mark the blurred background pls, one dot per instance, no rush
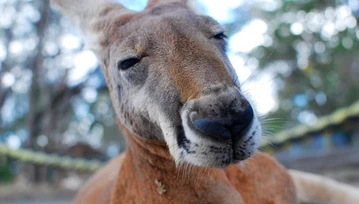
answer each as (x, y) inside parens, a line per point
(298, 62)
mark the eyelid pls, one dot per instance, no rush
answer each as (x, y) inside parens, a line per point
(127, 63)
(220, 36)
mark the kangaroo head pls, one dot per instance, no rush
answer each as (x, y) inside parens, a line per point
(170, 79)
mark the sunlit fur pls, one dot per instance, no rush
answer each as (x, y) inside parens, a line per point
(158, 89)
(182, 68)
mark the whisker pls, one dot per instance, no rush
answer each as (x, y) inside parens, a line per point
(271, 120)
(257, 69)
(268, 143)
(242, 167)
(260, 85)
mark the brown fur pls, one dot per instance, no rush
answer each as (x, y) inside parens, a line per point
(259, 180)
(317, 189)
(181, 66)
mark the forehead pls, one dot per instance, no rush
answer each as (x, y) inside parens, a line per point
(166, 20)
(175, 18)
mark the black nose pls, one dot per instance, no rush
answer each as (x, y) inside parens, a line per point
(226, 129)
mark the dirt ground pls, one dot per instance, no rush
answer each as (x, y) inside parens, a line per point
(24, 199)
(34, 194)
(19, 193)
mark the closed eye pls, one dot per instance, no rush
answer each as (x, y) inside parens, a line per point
(127, 63)
(220, 36)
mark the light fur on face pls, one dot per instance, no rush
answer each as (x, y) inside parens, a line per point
(180, 62)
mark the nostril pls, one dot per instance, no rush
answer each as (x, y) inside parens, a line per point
(241, 121)
(217, 129)
(245, 116)
(224, 129)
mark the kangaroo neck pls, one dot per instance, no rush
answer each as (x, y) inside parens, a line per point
(149, 175)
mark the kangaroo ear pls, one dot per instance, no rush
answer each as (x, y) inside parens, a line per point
(89, 15)
(152, 3)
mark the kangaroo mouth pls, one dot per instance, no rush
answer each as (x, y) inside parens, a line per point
(182, 140)
(215, 151)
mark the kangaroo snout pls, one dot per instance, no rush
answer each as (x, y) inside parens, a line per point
(224, 129)
(222, 113)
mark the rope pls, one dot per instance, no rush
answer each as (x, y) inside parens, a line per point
(66, 162)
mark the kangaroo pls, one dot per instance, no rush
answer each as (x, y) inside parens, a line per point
(192, 135)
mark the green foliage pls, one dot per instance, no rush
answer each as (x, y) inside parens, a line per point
(313, 50)
(6, 175)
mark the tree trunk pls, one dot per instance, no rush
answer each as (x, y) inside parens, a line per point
(35, 97)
